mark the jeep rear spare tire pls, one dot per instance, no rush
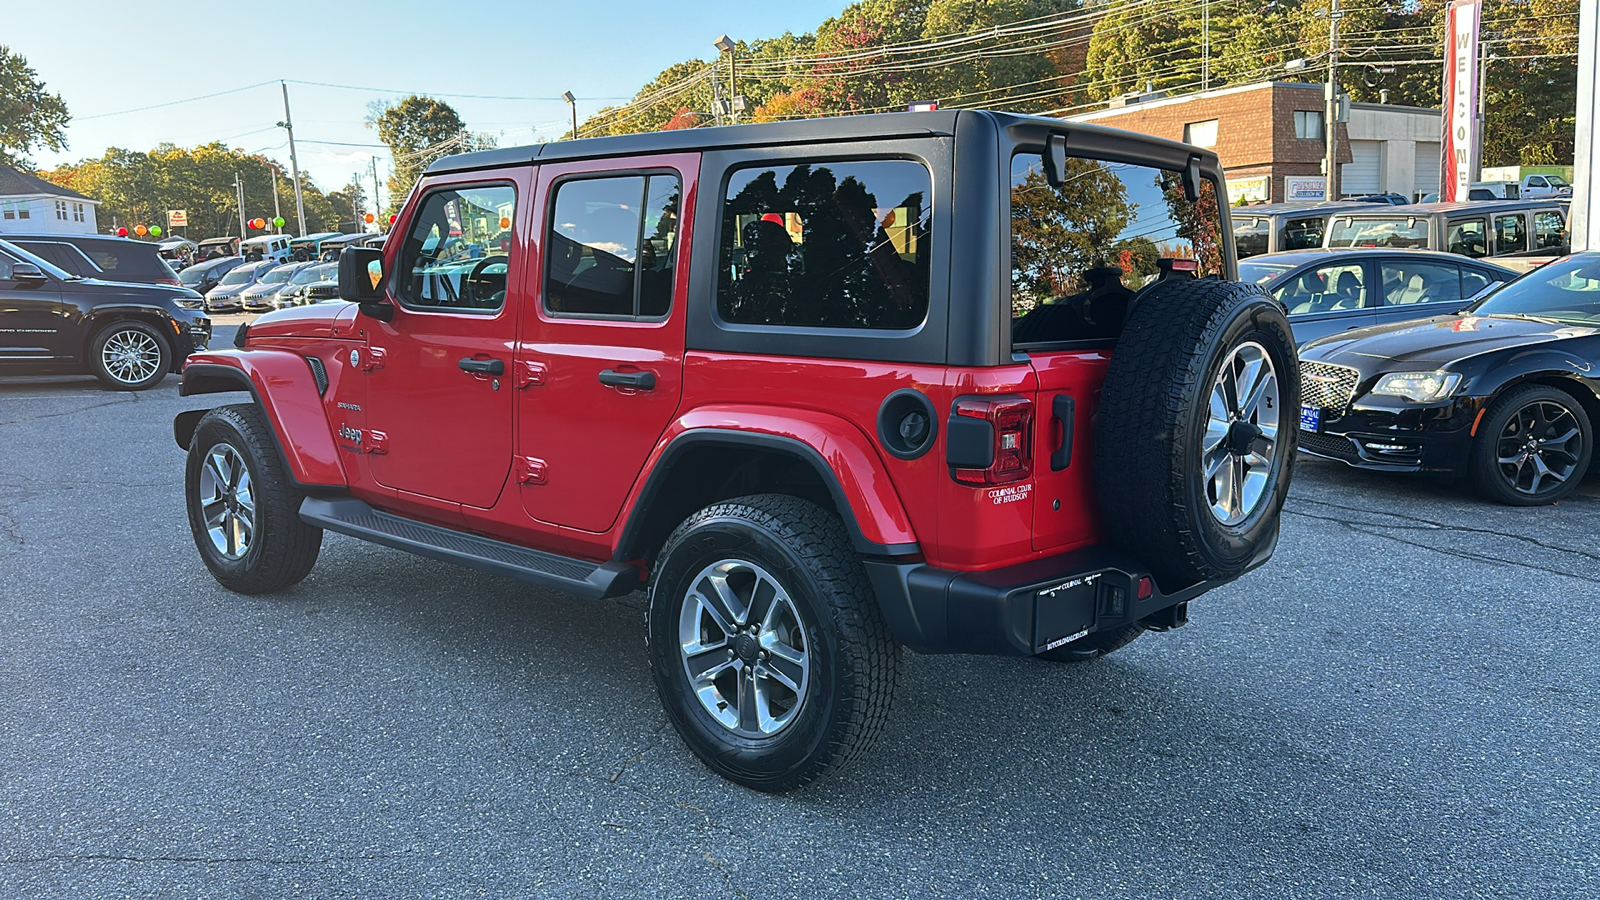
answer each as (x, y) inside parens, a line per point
(1195, 436)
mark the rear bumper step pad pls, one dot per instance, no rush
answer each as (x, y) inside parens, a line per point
(576, 576)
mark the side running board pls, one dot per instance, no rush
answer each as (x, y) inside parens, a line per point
(575, 576)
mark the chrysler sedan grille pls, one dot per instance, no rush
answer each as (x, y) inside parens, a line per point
(1327, 387)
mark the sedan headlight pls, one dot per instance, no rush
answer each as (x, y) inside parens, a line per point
(1418, 386)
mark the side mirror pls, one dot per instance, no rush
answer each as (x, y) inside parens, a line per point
(1055, 160)
(361, 281)
(23, 271)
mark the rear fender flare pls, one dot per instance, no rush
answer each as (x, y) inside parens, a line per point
(283, 385)
(843, 458)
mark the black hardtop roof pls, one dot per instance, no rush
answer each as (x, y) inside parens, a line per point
(1292, 258)
(877, 126)
(225, 239)
(1376, 210)
(85, 238)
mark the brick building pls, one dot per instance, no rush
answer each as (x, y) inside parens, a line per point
(1270, 140)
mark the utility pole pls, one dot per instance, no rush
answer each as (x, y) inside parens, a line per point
(377, 199)
(1331, 116)
(355, 201)
(288, 125)
(1205, 45)
(572, 102)
(276, 213)
(238, 187)
(1483, 76)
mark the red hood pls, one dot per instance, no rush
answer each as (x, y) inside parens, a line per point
(319, 320)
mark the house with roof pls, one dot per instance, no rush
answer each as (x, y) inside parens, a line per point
(30, 204)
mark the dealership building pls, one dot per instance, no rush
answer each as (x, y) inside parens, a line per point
(1270, 139)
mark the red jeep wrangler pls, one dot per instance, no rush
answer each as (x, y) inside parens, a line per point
(964, 382)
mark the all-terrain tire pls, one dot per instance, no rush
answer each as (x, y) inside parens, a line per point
(831, 617)
(244, 511)
(1093, 646)
(1151, 432)
(1551, 413)
(130, 355)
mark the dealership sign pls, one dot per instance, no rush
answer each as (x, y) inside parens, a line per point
(1305, 187)
(1460, 141)
(177, 218)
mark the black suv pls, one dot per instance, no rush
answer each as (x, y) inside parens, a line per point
(128, 335)
(101, 256)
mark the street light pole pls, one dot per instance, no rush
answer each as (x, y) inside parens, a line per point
(377, 199)
(276, 212)
(726, 45)
(238, 188)
(1331, 116)
(288, 125)
(1205, 45)
(572, 102)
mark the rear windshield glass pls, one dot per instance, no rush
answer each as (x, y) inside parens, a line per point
(838, 244)
(1081, 250)
(310, 274)
(1388, 231)
(278, 276)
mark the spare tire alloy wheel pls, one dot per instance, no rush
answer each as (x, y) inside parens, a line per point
(1241, 433)
(743, 648)
(130, 356)
(1534, 447)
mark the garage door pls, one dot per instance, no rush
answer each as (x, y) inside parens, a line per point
(1427, 168)
(1363, 173)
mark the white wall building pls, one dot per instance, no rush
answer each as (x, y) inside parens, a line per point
(31, 205)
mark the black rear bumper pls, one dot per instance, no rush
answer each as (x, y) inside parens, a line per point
(1030, 608)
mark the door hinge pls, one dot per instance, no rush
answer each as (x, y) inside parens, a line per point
(376, 442)
(530, 373)
(530, 470)
(375, 359)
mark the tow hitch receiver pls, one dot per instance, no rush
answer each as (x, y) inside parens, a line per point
(1174, 616)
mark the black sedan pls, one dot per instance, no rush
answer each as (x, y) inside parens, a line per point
(55, 322)
(1329, 291)
(1507, 392)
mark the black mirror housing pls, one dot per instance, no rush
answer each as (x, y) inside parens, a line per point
(361, 281)
(25, 271)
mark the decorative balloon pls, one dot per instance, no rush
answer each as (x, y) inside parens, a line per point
(505, 222)
(370, 218)
(155, 231)
(277, 221)
(122, 232)
(392, 217)
(140, 231)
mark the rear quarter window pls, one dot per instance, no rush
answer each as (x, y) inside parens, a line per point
(829, 244)
(133, 262)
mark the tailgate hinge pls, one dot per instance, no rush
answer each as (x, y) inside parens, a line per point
(530, 470)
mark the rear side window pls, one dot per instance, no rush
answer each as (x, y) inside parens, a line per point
(1467, 237)
(612, 246)
(1549, 232)
(1303, 234)
(1510, 234)
(1250, 236)
(457, 254)
(132, 262)
(1406, 282)
(1079, 251)
(837, 244)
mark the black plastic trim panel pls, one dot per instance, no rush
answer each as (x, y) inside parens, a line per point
(348, 515)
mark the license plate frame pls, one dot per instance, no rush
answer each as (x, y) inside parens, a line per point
(1311, 419)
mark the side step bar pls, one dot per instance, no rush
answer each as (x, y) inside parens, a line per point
(575, 576)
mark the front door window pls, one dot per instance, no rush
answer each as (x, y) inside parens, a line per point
(1467, 237)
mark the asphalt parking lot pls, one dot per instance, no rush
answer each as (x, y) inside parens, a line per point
(1402, 704)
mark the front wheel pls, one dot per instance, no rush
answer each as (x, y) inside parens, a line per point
(1534, 447)
(244, 512)
(766, 643)
(130, 356)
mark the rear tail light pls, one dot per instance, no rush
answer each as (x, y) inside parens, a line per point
(169, 281)
(991, 440)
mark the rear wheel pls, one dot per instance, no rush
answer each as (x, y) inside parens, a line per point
(244, 512)
(766, 643)
(1533, 448)
(130, 356)
(1195, 437)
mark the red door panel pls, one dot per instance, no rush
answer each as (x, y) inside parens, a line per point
(595, 393)
(1064, 498)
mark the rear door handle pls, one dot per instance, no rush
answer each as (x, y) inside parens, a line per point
(482, 366)
(1064, 409)
(640, 381)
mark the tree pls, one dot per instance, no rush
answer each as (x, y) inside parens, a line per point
(417, 130)
(30, 116)
(348, 204)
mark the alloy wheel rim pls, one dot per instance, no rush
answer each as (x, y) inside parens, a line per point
(131, 356)
(1241, 439)
(1539, 448)
(227, 501)
(744, 648)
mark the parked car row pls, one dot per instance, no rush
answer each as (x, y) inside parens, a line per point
(1530, 230)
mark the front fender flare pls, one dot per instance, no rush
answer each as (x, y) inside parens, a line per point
(842, 456)
(286, 390)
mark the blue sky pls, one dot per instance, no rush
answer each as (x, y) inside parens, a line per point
(107, 57)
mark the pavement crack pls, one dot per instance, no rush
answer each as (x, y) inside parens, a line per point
(1373, 530)
(70, 412)
(1430, 524)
